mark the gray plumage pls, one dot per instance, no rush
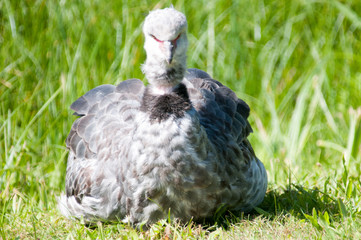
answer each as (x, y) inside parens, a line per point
(178, 146)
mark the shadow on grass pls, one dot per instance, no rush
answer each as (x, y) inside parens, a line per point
(295, 200)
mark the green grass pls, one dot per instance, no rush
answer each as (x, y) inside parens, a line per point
(296, 63)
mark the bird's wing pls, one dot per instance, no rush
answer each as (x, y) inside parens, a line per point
(106, 115)
(222, 113)
(224, 117)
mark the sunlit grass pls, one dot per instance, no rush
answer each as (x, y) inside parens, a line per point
(296, 63)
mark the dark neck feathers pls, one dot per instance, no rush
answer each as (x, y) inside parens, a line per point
(162, 107)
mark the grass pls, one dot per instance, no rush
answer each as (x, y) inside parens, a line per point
(296, 63)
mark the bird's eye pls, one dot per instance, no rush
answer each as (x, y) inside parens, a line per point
(177, 37)
(156, 38)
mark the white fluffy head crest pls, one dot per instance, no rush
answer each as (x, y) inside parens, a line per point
(164, 23)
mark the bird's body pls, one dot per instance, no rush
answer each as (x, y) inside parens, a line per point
(178, 146)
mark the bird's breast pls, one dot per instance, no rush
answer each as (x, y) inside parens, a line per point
(169, 150)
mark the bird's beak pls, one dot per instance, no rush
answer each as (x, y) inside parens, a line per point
(169, 50)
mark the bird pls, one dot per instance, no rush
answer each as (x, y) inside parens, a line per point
(177, 147)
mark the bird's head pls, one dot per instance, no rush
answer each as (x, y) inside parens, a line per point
(165, 32)
(166, 44)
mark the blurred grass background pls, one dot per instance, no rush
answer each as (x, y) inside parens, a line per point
(296, 63)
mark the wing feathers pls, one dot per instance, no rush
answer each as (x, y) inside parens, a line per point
(82, 105)
(104, 111)
(222, 114)
(134, 86)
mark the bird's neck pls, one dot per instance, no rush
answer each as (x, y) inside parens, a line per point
(164, 76)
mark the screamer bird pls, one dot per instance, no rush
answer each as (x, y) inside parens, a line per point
(177, 147)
